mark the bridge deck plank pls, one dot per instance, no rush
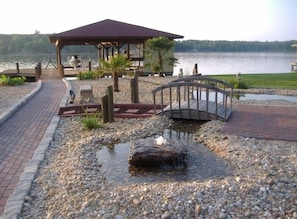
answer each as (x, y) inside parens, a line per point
(185, 107)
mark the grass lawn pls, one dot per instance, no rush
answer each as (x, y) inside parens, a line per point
(279, 80)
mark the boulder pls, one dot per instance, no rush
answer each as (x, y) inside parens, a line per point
(147, 153)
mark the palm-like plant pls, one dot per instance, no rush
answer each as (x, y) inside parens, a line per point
(157, 50)
(116, 64)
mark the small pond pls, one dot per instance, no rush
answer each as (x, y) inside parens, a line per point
(202, 164)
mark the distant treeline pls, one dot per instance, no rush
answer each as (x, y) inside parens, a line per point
(35, 44)
(39, 43)
(234, 46)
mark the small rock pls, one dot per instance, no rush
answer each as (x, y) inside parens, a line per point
(166, 215)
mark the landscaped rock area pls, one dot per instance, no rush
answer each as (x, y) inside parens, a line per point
(70, 183)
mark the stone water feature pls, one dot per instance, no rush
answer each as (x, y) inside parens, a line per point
(152, 152)
(200, 163)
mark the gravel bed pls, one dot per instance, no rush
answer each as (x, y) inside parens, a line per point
(9, 95)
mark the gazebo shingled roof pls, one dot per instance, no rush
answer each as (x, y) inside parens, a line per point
(107, 31)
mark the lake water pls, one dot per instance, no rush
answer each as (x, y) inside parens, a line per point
(208, 62)
(234, 62)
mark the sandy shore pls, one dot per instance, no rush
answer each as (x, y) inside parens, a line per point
(71, 184)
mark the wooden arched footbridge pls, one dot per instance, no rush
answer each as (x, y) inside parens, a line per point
(195, 97)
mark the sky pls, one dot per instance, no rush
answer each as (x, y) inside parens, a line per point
(244, 20)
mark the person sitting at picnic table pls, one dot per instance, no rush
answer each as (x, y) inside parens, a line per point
(74, 61)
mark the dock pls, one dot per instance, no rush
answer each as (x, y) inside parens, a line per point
(31, 74)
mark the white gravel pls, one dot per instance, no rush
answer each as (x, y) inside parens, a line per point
(70, 183)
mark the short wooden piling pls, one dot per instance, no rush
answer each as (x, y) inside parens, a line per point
(37, 72)
(104, 108)
(134, 89)
(61, 70)
(109, 93)
(90, 66)
(18, 67)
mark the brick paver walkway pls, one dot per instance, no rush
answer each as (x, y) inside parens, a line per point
(21, 133)
(264, 122)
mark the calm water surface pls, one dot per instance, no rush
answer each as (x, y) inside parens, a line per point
(202, 164)
(208, 63)
(234, 62)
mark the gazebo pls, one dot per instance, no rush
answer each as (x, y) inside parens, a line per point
(109, 37)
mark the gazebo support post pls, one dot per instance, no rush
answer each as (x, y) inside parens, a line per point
(59, 47)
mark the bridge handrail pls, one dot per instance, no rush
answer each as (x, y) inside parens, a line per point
(171, 84)
(208, 80)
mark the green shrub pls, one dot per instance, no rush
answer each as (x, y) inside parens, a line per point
(238, 84)
(88, 75)
(91, 122)
(12, 81)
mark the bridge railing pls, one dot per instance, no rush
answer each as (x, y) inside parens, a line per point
(209, 81)
(194, 88)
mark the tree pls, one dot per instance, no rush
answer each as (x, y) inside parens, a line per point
(116, 64)
(157, 50)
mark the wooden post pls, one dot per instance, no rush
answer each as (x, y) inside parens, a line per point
(37, 75)
(61, 71)
(104, 108)
(134, 88)
(39, 69)
(90, 66)
(17, 67)
(109, 92)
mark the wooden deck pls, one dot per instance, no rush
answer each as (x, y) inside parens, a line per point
(34, 74)
(31, 75)
(28, 73)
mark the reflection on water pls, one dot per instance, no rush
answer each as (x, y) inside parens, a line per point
(202, 164)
